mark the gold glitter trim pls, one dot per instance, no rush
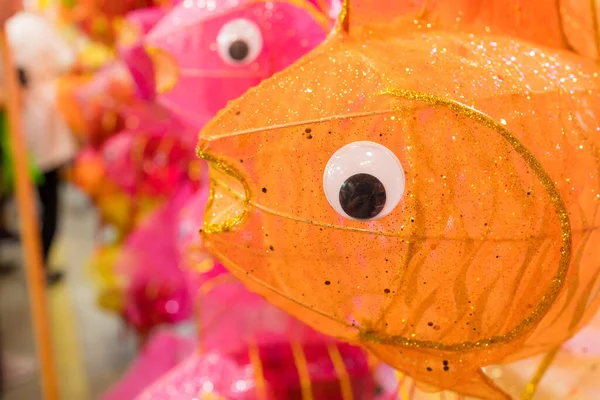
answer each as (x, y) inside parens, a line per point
(555, 198)
(303, 372)
(234, 173)
(341, 371)
(532, 386)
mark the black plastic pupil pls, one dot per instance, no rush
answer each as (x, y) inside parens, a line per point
(239, 50)
(362, 196)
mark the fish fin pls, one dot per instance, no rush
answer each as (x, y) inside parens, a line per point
(357, 13)
(581, 26)
(516, 18)
(413, 361)
(481, 386)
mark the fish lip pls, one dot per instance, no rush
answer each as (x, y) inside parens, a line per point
(166, 62)
(228, 201)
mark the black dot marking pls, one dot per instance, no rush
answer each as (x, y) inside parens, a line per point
(264, 190)
(528, 193)
(309, 137)
(445, 362)
(386, 291)
(239, 50)
(446, 368)
(238, 112)
(429, 369)
(362, 196)
(271, 248)
(430, 323)
(308, 130)
(327, 283)
(242, 161)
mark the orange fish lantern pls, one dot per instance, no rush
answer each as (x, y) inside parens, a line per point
(424, 183)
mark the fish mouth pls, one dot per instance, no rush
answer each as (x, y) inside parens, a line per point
(228, 203)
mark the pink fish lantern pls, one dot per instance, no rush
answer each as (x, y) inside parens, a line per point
(204, 376)
(217, 376)
(164, 351)
(208, 52)
(149, 165)
(89, 172)
(232, 320)
(100, 100)
(157, 291)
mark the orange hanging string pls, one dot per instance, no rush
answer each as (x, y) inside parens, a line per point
(302, 367)
(342, 372)
(32, 249)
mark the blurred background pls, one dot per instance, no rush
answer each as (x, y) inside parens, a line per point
(111, 95)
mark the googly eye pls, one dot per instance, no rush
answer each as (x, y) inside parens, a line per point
(364, 181)
(239, 42)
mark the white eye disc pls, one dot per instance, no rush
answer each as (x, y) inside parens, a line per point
(364, 181)
(239, 42)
